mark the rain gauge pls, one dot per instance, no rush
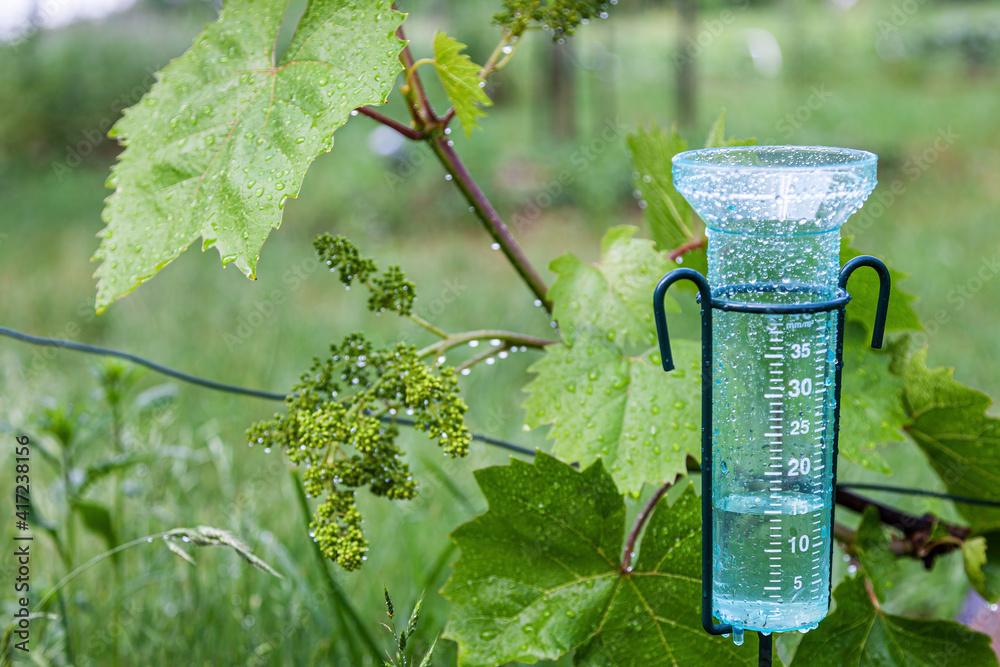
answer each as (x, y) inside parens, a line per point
(772, 326)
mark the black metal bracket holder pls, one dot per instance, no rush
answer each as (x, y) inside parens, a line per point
(708, 304)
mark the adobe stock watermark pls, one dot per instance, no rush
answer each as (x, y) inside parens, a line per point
(794, 120)
(451, 291)
(44, 11)
(408, 166)
(580, 160)
(901, 13)
(95, 136)
(960, 295)
(709, 31)
(914, 168)
(42, 355)
(266, 309)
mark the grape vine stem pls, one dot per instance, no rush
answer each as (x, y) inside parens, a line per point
(405, 130)
(918, 540)
(430, 127)
(509, 338)
(690, 246)
(640, 521)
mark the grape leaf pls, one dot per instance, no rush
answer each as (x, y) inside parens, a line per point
(871, 411)
(460, 78)
(539, 575)
(613, 296)
(860, 633)
(671, 220)
(717, 135)
(863, 289)
(948, 421)
(871, 546)
(602, 403)
(983, 573)
(227, 132)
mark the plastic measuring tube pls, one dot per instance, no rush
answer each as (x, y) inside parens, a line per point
(773, 218)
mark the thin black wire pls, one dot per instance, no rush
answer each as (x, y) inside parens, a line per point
(920, 492)
(108, 352)
(211, 384)
(496, 442)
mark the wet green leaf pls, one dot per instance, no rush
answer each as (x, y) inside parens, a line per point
(540, 575)
(227, 132)
(717, 135)
(612, 297)
(858, 633)
(871, 411)
(671, 221)
(603, 403)
(460, 78)
(981, 555)
(863, 289)
(948, 421)
(871, 546)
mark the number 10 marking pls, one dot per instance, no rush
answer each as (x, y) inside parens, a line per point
(803, 543)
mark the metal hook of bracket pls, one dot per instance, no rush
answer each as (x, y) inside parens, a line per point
(884, 287)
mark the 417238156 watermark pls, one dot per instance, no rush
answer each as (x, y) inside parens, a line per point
(21, 623)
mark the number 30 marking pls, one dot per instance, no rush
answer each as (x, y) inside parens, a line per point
(800, 387)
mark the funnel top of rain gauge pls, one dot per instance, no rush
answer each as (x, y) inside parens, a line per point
(775, 190)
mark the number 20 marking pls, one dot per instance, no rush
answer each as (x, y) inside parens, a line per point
(798, 467)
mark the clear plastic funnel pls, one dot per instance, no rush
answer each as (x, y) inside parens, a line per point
(773, 218)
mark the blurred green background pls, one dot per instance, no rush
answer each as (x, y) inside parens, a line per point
(915, 81)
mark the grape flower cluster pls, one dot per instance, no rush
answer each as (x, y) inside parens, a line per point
(341, 426)
(560, 17)
(389, 291)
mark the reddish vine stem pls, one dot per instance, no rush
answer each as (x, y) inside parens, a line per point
(424, 104)
(490, 218)
(917, 541)
(429, 127)
(640, 521)
(405, 130)
(909, 524)
(687, 247)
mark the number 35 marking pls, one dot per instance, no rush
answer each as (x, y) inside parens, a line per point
(801, 351)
